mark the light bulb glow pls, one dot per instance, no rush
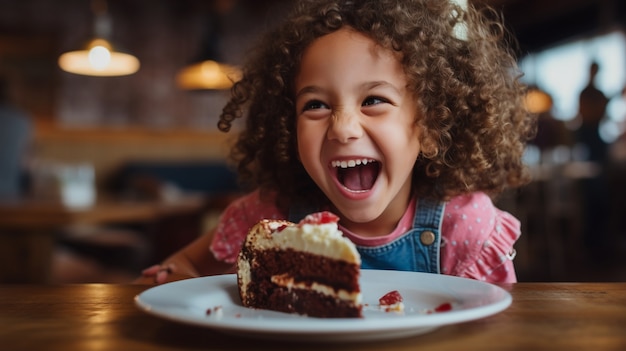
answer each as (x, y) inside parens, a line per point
(99, 57)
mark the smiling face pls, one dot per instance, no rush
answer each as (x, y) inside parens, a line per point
(357, 136)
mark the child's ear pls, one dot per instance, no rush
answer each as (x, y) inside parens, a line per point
(428, 147)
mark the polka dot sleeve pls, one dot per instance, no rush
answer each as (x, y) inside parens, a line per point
(477, 240)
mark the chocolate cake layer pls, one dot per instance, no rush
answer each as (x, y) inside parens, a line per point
(304, 268)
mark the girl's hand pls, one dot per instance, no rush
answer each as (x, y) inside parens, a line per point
(160, 273)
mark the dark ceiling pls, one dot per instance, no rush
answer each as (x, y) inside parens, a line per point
(538, 24)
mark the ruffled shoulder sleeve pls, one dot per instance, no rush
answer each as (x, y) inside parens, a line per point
(235, 222)
(478, 239)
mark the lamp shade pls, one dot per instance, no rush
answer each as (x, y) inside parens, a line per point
(99, 59)
(209, 75)
(207, 71)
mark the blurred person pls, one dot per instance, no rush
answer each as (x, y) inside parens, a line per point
(15, 135)
(591, 111)
(592, 105)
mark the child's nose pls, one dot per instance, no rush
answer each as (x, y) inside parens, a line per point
(345, 126)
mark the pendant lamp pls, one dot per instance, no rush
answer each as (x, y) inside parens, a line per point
(206, 71)
(207, 75)
(537, 100)
(99, 57)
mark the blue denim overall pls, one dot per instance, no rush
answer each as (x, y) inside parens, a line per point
(416, 250)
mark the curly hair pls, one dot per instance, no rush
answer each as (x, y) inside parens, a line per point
(470, 99)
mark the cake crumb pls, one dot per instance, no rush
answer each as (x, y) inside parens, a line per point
(392, 302)
(216, 311)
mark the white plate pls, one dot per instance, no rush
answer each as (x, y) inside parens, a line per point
(214, 302)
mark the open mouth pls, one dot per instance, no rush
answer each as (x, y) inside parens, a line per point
(358, 174)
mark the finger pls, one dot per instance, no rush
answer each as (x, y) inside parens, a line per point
(161, 276)
(151, 271)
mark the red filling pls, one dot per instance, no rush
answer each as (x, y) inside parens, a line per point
(390, 298)
(324, 217)
(444, 307)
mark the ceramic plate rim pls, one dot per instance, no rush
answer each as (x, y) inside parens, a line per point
(461, 291)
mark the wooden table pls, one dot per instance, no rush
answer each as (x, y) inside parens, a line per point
(28, 228)
(543, 316)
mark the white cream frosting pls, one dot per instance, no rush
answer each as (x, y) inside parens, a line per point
(320, 239)
(243, 274)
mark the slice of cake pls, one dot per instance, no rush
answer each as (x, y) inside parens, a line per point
(307, 268)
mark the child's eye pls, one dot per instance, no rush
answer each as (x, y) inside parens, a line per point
(374, 100)
(314, 105)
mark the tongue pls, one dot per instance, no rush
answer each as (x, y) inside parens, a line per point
(359, 178)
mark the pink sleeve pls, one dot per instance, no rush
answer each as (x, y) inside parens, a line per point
(477, 240)
(234, 223)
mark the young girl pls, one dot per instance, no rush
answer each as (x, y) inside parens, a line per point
(402, 117)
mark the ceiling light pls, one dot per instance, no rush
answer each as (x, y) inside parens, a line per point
(537, 101)
(99, 57)
(207, 74)
(207, 71)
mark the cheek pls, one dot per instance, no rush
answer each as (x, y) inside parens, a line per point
(300, 139)
(404, 138)
(305, 142)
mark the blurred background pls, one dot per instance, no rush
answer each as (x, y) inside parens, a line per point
(104, 171)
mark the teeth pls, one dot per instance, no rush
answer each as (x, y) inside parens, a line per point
(351, 163)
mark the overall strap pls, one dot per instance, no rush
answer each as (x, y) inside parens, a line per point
(427, 227)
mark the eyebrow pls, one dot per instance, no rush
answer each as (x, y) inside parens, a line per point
(383, 83)
(367, 86)
(307, 89)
